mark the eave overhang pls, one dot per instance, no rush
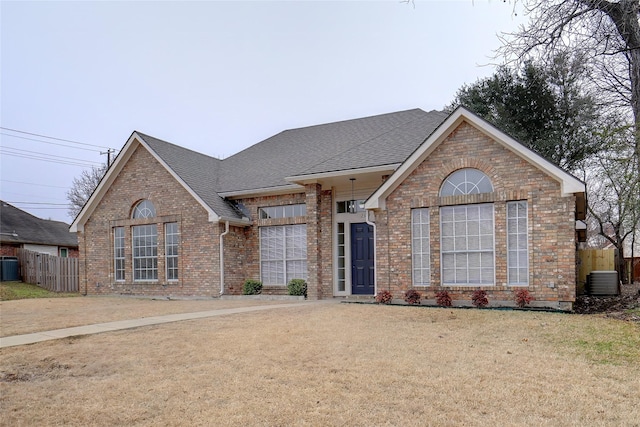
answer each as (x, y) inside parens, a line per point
(114, 170)
(568, 183)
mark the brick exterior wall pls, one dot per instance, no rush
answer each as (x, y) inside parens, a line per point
(8, 250)
(242, 245)
(143, 177)
(551, 220)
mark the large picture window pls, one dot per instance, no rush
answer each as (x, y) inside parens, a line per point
(467, 245)
(118, 253)
(145, 252)
(517, 244)
(420, 247)
(171, 237)
(283, 254)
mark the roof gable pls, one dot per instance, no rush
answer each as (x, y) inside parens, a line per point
(194, 171)
(568, 183)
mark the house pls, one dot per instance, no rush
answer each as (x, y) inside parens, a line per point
(411, 199)
(21, 230)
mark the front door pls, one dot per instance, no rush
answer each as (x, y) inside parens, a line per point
(362, 268)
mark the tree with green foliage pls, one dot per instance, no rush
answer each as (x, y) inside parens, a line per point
(543, 108)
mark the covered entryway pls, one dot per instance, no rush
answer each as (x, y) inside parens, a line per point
(362, 259)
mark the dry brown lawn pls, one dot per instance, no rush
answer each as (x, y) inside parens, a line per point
(333, 364)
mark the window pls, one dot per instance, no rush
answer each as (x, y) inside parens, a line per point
(350, 206)
(466, 181)
(144, 209)
(283, 254)
(64, 252)
(171, 237)
(284, 211)
(420, 247)
(467, 245)
(341, 259)
(145, 252)
(118, 253)
(517, 244)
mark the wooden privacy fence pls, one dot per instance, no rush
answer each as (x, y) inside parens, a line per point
(53, 273)
(594, 260)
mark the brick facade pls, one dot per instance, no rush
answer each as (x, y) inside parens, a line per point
(142, 177)
(551, 220)
(551, 233)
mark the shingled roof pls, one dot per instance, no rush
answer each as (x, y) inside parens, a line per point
(381, 140)
(352, 144)
(18, 226)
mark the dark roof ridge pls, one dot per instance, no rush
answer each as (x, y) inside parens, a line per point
(393, 129)
(357, 119)
(146, 135)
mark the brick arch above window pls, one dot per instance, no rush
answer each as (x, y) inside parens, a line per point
(466, 181)
(143, 209)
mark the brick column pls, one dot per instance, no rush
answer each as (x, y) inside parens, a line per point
(314, 249)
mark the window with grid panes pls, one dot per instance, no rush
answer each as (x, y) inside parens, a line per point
(283, 254)
(517, 244)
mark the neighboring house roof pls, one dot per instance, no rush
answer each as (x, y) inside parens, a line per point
(18, 227)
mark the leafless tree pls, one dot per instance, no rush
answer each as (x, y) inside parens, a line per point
(613, 189)
(605, 33)
(82, 188)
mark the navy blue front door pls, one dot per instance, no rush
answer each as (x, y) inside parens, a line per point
(362, 268)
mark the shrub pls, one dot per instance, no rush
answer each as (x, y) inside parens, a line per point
(252, 287)
(412, 297)
(523, 297)
(384, 297)
(479, 298)
(297, 287)
(443, 299)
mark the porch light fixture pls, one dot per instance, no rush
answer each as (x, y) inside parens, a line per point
(352, 202)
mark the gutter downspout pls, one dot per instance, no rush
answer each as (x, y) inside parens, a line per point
(375, 252)
(226, 231)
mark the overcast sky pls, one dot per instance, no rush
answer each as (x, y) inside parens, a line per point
(216, 77)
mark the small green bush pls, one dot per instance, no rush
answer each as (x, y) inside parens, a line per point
(384, 297)
(412, 297)
(297, 287)
(252, 287)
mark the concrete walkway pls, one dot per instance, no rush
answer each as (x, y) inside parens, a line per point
(97, 328)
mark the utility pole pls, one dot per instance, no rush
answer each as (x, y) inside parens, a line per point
(108, 153)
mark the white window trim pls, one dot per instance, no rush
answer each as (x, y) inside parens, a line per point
(413, 249)
(115, 258)
(167, 257)
(133, 257)
(519, 284)
(493, 237)
(284, 259)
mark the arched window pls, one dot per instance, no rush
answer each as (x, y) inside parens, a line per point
(466, 181)
(144, 209)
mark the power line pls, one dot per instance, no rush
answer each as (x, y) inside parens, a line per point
(47, 142)
(39, 203)
(31, 183)
(20, 150)
(45, 159)
(52, 137)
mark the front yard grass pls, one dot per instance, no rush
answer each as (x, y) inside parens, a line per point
(19, 290)
(334, 364)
